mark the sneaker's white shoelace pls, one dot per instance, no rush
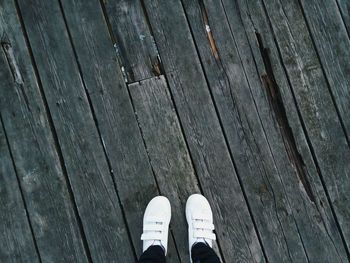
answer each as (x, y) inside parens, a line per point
(202, 226)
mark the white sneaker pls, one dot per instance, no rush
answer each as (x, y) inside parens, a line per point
(200, 221)
(156, 223)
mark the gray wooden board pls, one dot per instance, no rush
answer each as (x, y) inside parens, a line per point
(114, 113)
(332, 42)
(326, 135)
(285, 163)
(38, 168)
(81, 146)
(134, 41)
(203, 133)
(256, 22)
(16, 239)
(261, 152)
(344, 6)
(167, 150)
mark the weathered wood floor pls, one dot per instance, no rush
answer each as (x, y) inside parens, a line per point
(105, 104)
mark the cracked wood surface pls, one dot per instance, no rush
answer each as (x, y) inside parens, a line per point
(107, 103)
(262, 145)
(327, 138)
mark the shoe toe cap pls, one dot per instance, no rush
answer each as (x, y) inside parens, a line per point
(158, 206)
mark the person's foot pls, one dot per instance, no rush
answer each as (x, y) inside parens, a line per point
(200, 221)
(156, 223)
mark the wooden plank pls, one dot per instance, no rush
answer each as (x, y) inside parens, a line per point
(131, 34)
(114, 114)
(167, 150)
(16, 239)
(202, 130)
(81, 146)
(324, 129)
(311, 101)
(38, 168)
(344, 6)
(263, 148)
(332, 42)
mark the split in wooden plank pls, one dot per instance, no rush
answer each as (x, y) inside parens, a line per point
(17, 243)
(44, 186)
(133, 39)
(262, 146)
(203, 133)
(257, 26)
(308, 82)
(83, 154)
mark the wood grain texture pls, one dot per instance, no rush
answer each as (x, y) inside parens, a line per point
(81, 146)
(16, 239)
(321, 121)
(114, 114)
(134, 41)
(167, 151)
(344, 6)
(261, 144)
(49, 205)
(332, 42)
(106, 103)
(257, 24)
(202, 130)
